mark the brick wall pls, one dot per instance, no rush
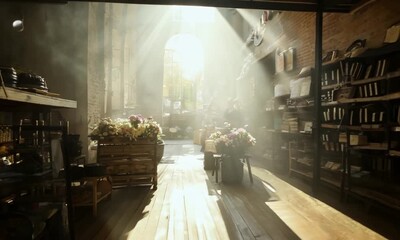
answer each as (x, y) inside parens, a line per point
(297, 29)
(370, 23)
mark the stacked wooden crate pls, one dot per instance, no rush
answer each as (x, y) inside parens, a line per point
(129, 162)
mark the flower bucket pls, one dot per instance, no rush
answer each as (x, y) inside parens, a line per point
(209, 161)
(231, 169)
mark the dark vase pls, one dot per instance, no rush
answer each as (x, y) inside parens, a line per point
(209, 163)
(231, 169)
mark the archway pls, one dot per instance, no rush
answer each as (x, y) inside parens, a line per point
(182, 85)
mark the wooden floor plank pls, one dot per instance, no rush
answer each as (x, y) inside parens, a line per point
(89, 227)
(190, 205)
(177, 207)
(149, 218)
(193, 220)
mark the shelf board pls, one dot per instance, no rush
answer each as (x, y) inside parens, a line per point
(331, 181)
(282, 96)
(394, 153)
(395, 129)
(374, 79)
(331, 126)
(331, 171)
(15, 95)
(388, 97)
(305, 106)
(332, 86)
(372, 127)
(392, 96)
(303, 163)
(364, 128)
(382, 198)
(368, 80)
(306, 174)
(330, 103)
(371, 146)
(367, 99)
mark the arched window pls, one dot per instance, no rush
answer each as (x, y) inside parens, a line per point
(183, 74)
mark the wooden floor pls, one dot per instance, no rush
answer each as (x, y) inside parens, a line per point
(189, 204)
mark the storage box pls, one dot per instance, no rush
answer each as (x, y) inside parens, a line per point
(342, 138)
(356, 140)
(210, 146)
(197, 136)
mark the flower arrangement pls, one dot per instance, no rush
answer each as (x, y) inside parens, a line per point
(134, 127)
(136, 119)
(234, 140)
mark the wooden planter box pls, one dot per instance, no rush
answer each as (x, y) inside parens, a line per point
(129, 162)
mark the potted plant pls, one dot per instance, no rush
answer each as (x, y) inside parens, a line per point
(232, 144)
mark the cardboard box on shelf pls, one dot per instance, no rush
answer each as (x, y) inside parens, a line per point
(357, 140)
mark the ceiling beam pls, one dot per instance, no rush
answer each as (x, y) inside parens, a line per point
(297, 6)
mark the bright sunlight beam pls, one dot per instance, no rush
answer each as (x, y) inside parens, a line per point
(189, 53)
(194, 14)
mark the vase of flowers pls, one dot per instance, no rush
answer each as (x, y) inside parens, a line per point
(232, 144)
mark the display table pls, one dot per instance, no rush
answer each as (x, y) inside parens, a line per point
(93, 191)
(87, 191)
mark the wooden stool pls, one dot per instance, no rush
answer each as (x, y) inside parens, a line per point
(218, 160)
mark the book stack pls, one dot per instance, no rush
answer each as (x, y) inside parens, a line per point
(293, 125)
(333, 114)
(369, 114)
(331, 76)
(377, 69)
(352, 70)
(372, 89)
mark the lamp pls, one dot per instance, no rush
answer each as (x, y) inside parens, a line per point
(18, 25)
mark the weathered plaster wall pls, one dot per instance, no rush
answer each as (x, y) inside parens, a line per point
(53, 45)
(96, 70)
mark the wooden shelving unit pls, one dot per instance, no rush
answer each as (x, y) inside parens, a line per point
(35, 184)
(371, 110)
(15, 96)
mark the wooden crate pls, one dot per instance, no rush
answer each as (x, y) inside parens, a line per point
(129, 162)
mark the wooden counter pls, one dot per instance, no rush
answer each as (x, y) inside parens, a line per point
(308, 217)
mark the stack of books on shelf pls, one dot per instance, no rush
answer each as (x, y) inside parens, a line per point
(333, 166)
(368, 114)
(305, 161)
(333, 114)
